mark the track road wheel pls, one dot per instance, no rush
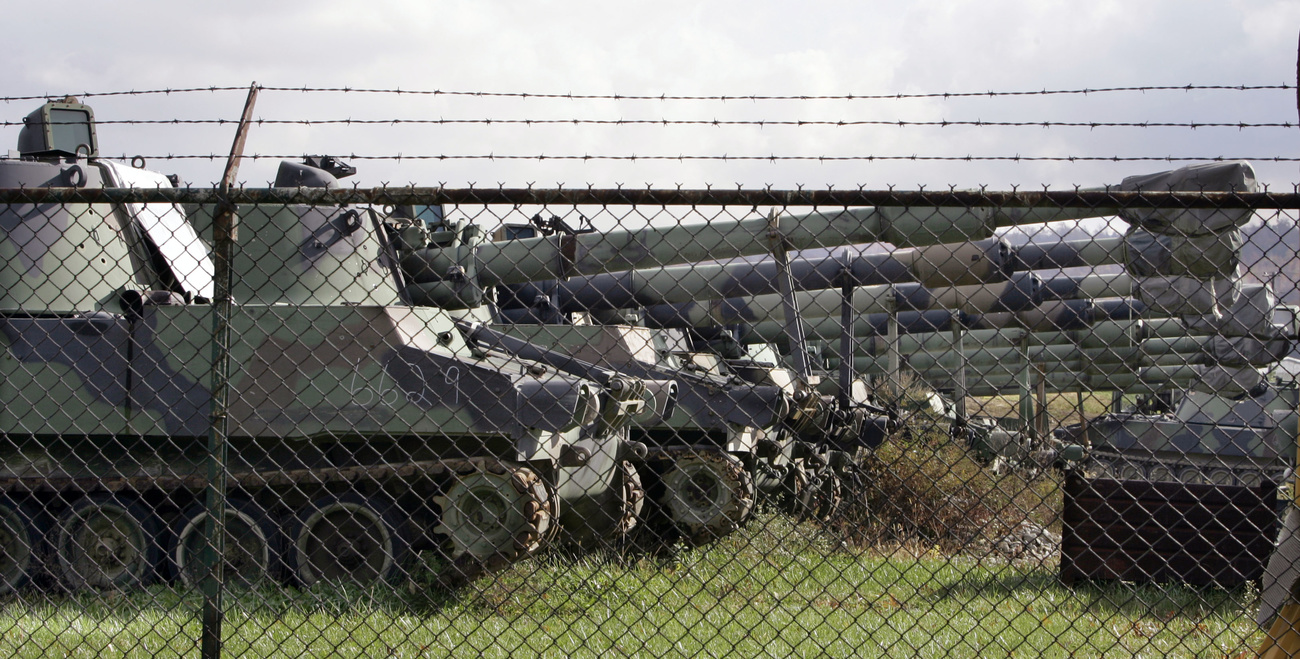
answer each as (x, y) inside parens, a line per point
(252, 548)
(494, 511)
(1130, 471)
(828, 494)
(796, 497)
(108, 542)
(21, 540)
(708, 494)
(633, 498)
(349, 538)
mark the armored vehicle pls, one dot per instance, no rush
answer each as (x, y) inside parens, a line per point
(362, 428)
(726, 440)
(923, 274)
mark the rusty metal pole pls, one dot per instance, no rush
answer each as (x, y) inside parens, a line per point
(846, 334)
(780, 248)
(959, 377)
(1025, 388)
(224, 235)
(895, 356)
(1043, 421)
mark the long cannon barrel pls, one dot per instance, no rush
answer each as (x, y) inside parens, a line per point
(1022, 291)
(1252, 315)
(1024, 294)
(992, 380)
(1088, 322)
(1148, 381)
(1151, 352)
(566, 255)
(1056, 315)
(1062, 315)
(1110, 334)
(1154, 333)
(946, 264)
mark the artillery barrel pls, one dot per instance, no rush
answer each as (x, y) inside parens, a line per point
(1057, 315)
(997, 305)
(565, 255)
(948, 264)
(1156, 353)
(944, 265)
(1022, 291)
(1104, 335)
(996, 379)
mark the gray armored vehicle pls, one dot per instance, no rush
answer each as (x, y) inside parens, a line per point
(456, 266)
(727, 439)
(1180, 268)
(363, 428)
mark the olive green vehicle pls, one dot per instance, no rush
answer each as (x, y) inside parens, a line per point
(362, 428)
(549, 278)
(1233, 424)
(1175, 322)
(706, 461)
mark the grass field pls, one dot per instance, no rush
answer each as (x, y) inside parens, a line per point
(773, 589)
(906, 571)
(1061, 408)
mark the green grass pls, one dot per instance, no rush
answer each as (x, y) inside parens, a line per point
(773, 589)
(1062, 408)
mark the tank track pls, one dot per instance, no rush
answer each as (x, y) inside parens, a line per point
(537, 529)
(703, 521)
(1120, 466)
(634, 497)
(417, 477)
(814, 491)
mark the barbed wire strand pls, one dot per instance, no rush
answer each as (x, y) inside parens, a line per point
(669, 97)
(942, 123)
(774, 158)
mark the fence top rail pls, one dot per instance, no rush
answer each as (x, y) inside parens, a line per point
(1101, 199)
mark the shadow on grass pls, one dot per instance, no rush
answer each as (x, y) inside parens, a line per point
(416, 595)
(1104, 598)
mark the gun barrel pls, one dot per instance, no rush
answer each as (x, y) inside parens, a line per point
(1156, 246)
(997, 379)
(1022, 291)
(1153, 353)
(959, 264)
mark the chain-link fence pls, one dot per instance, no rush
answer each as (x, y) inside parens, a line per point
(308, 420)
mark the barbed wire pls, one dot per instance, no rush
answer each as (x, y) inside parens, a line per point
(670, 97)
(133, 92)
(830, 196)
(760, 123)
(724, 157)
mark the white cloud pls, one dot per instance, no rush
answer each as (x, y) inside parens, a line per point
(675, 47)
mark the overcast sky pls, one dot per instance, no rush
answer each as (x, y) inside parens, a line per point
(674, 48)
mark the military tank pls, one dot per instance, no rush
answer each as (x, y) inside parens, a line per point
(669, 296)
(728, 439)
(364, 429)
(1234, 425)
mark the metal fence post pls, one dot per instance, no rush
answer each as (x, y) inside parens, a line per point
(224, 234)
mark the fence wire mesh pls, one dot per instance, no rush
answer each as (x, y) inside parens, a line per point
(655, 422)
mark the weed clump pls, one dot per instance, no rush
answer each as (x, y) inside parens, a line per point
(921, 487)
